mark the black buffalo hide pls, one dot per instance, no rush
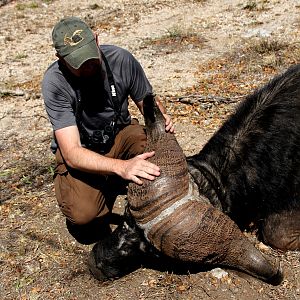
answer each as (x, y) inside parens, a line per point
(250, 168)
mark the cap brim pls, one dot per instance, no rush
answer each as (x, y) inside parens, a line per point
(81, 55)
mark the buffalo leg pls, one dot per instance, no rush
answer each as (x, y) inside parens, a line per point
(282, 231)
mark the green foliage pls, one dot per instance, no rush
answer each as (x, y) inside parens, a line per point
(25, 180)
(95, 6)
(20, 56)
(6, 173)
(51, 170)
(23, 6)
(178, 33)
(175, 32)
(250, 5)
(253, 5)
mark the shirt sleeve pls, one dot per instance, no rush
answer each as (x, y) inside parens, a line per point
(58, 101)
(139, 85)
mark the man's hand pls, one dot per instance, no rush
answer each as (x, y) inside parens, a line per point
(138, 167)
(169, 124)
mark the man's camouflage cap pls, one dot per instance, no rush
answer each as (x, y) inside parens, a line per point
(74, 41)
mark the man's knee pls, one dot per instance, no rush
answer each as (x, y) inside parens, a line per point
(137, 139)
(79, 199)
(82, 216)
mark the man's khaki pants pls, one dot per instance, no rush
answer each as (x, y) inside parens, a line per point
(84, 197)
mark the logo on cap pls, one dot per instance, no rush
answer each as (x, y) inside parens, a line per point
(75, 39)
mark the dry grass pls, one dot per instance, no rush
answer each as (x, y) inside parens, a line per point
(256, 5)
(223, 82)
(176, 39)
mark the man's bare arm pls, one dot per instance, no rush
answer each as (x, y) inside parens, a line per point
(83, 159)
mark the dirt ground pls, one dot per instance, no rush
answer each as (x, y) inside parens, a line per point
(202, 58)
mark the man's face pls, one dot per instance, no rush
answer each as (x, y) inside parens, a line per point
(88, 69)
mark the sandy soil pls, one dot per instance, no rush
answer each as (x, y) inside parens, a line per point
(201, 57)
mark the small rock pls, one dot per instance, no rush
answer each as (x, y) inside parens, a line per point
(218, 273)
(257, 32)
(262, 247)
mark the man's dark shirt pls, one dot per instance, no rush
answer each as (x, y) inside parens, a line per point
(62, 90)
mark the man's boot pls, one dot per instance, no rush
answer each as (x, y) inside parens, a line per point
(94, 231)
